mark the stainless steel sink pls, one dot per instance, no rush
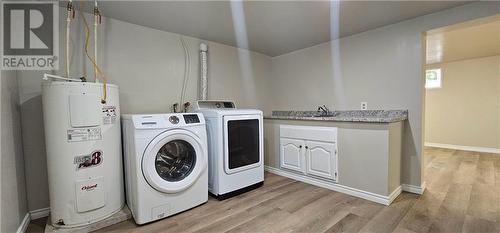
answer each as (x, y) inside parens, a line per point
(326, 115)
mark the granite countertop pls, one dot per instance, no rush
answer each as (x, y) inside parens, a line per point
(374, 116)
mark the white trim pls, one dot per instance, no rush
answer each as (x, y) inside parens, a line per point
(395, 194)
(39, 213)
(414, 189)
(24, 224)
(385, 200)
(466, 148)
(32, 215)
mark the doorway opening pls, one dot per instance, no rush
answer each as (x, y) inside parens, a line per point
(462, 105)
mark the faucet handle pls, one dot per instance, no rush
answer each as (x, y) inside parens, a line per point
(325, 108)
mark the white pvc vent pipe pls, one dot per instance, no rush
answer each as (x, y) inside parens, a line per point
(203, 85)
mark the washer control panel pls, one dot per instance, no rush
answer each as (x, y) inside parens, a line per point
(174, 120)
(191, 118)
(159, 121)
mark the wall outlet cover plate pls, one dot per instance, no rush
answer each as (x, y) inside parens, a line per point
(364, 105)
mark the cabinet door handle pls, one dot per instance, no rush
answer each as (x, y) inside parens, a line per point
(307, 147)
(300, 146)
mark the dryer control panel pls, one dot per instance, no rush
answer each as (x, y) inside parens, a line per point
(214, 104)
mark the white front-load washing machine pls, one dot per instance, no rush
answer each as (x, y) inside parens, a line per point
(235, 148)
(165, 159)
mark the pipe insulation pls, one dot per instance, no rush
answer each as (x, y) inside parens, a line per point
(69, 12)
(68, 23)
(95, 45)
(203, 85)
(187, 64)
(97, 19)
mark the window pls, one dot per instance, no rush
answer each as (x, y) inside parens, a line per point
(433, 78)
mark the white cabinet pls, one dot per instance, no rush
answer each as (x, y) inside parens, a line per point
(292, 154)
(321, 159)
(310, 150)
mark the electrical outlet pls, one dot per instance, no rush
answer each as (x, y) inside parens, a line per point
(364, 105)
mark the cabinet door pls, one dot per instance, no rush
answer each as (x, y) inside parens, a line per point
(292, 154)
(321, 159)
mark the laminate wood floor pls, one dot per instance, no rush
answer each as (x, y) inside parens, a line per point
(462, 195)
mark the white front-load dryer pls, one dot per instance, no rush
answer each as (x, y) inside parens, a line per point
(165, 159)
(235, 148)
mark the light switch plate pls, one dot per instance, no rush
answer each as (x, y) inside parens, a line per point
(364, 105)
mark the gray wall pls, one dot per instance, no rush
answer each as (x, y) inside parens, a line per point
(148, 66)
(382, 67)
(13, 187)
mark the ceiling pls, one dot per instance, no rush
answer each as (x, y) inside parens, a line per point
(269, 27)
(467, 41)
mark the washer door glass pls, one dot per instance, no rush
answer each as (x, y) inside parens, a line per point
(175, 160)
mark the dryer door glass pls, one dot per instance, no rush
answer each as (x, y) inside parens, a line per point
(175, 160)
(243, 142)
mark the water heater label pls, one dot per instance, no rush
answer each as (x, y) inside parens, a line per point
(86, 161)
(108, 115)
(84, 134)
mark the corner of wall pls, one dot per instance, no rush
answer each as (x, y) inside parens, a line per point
(14, 207)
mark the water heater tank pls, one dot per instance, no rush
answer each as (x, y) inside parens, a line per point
(84, 159)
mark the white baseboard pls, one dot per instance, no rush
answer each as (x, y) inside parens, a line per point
(385, 200)
(413, 188)
(395, 194)
(466, 148)
(24, 224)
(39, 213)
(31, 215)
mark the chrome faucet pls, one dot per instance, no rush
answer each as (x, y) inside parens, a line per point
(323, 109)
